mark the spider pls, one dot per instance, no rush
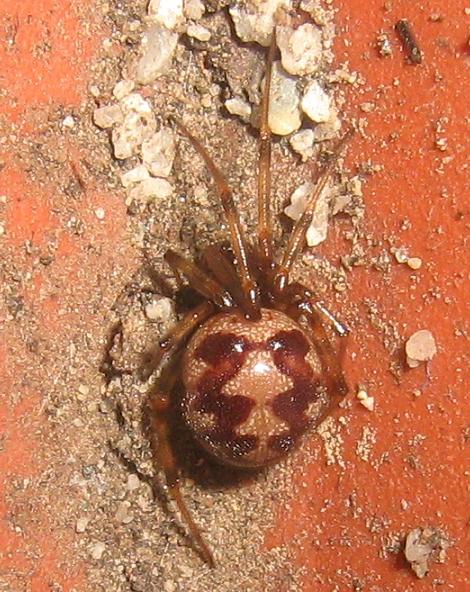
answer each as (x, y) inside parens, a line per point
(258, 367)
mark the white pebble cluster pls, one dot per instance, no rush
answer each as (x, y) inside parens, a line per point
(296, 92)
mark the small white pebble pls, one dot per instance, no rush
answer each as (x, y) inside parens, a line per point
(302, 143)
(2, 229)
(133, 482)
(106, 117)
(401, 255)
(420, 347)
(284, 102)
(158, 47)
(68, 122)
(236, 106)
(254, 20)
(81, 524)
(368, 403)
(365, 399)
(318, 229)
(168, 13)
(150, 189)
(158, 152)
(193, 9)
(198, 32)
(83, 389)
(316, 103)
(138, 125)
(159, 310)
(135, 175)
(301, 48)
(404, 504)
(122, 514)
(414, 263)
(362, 394)
(299, 200)
(123, 88)
(100, 213)
(98, 550)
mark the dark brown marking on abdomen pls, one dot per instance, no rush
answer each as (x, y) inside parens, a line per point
(290, 349)
(225, 353)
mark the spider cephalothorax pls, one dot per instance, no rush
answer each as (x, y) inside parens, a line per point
(258, 369)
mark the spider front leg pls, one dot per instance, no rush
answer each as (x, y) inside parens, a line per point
(160, 403)
(250, 290)
(265, 241)
(296, 290)
(154, 357)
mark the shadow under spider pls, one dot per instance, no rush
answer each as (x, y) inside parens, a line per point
(192, 460)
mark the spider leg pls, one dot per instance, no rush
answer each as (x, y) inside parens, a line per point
(160, 403)
(264, 164)
(296, 290)
(297, 238)
(177, 334)
(216, 258)
(199, 280)
(238, 240)
(340, 328)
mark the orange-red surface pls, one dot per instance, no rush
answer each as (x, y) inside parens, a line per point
(328, 538)
(44, 54)
(414, 185)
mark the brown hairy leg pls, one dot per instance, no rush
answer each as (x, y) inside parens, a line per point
(265, 224)
(160, 403)
(217, 259)
(239, 245)
(174, 338)
(298, 292)
(297, 238)
(199, 280)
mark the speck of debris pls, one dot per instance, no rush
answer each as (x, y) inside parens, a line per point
(97, 550)
(133, 482)
(424, 546)
(365, 399)
(407, 37)
(122, 514)
(420, 347)
(330, 431)
(159, 310)
(384, 45)
(414, 263)
(83, 389)
(366, 443)
(100, 213)
(68, 122)
(81, 524)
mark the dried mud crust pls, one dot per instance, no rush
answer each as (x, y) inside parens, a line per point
(95, 401)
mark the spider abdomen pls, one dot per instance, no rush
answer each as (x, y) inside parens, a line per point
(252, 388)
